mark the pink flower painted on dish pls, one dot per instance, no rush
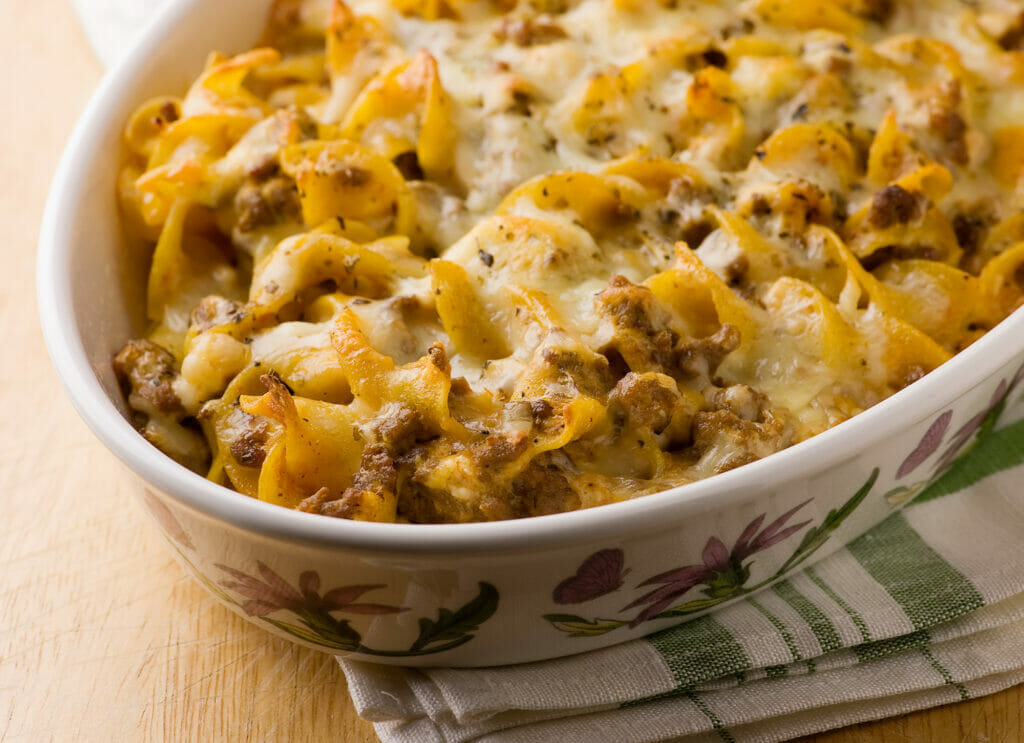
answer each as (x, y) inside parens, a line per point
(976, 426)
(721, 570)
(270, 592)
(927, 446)
(724, 573)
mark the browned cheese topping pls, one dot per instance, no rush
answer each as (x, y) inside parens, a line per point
(447, 261)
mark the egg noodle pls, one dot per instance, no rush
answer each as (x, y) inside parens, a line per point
(446, 261)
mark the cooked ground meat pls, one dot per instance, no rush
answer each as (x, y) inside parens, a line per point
(631, 306)
(540, 411)
(701, 357)
(499, 448)
(640, 331)
(249, 448)
(399, 427)
(726, 441)
(893, 205)
(1012, 37)
(589, 375)
(970, 228)
(259, 204)
(439, 357)
(541, 489)
(742, 400)
(214, 310)
(376, 477)
(900, 253)
(647, 400)
(878, 11)
(529, 31)
(951, 128)
(146, 372)
(420, 505)
(408, 164)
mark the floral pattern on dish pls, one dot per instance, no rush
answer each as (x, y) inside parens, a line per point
(268, 593)
(264, 596)
(975, 429)
(306, 612)
(723, 573)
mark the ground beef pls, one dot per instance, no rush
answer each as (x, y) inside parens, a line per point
(146, 373)
(590, 375)
(701, 357)
(421, 505)
(647, 401)
(213, 311)
(408, 164)
(746, 402)
(951, 128)
(399, 428)
(376, 477)
(878, 11)
(726, 441)
(541, 489)
(261, 204)
(439, 357)
(500, 448)
(1012, 37)
(250, 447)
(639, 325)
(900, 253)
(970, 230)
(893, 205)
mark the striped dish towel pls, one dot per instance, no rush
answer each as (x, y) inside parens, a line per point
(927, 608)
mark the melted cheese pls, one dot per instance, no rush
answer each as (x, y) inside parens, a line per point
(509, 262)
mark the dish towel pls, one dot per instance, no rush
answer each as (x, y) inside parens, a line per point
(927, 608)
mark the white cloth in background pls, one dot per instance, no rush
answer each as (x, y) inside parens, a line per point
(111, 25)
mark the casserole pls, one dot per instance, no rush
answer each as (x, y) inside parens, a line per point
(470, 594)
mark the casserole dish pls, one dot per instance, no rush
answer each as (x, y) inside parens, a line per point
(469, 594)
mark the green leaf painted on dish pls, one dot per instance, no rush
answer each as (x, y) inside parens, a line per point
(815, 537)
(691, 607)
(310, 635)
(576, 626)
(454, 626)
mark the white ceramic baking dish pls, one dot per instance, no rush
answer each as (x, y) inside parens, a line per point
(467, 594)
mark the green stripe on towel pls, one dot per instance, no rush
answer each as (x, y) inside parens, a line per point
(921, 642)
(853, 614)
(892, 646)
(699, 651)
(927, 588)
(716, 722)
(994, 453)
(824, 631)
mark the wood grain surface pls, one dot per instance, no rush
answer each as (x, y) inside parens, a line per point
(103, 637)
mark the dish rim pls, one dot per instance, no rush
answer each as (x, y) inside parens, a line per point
(644, 514)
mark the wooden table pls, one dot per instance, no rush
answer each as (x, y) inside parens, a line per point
(104, 638)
